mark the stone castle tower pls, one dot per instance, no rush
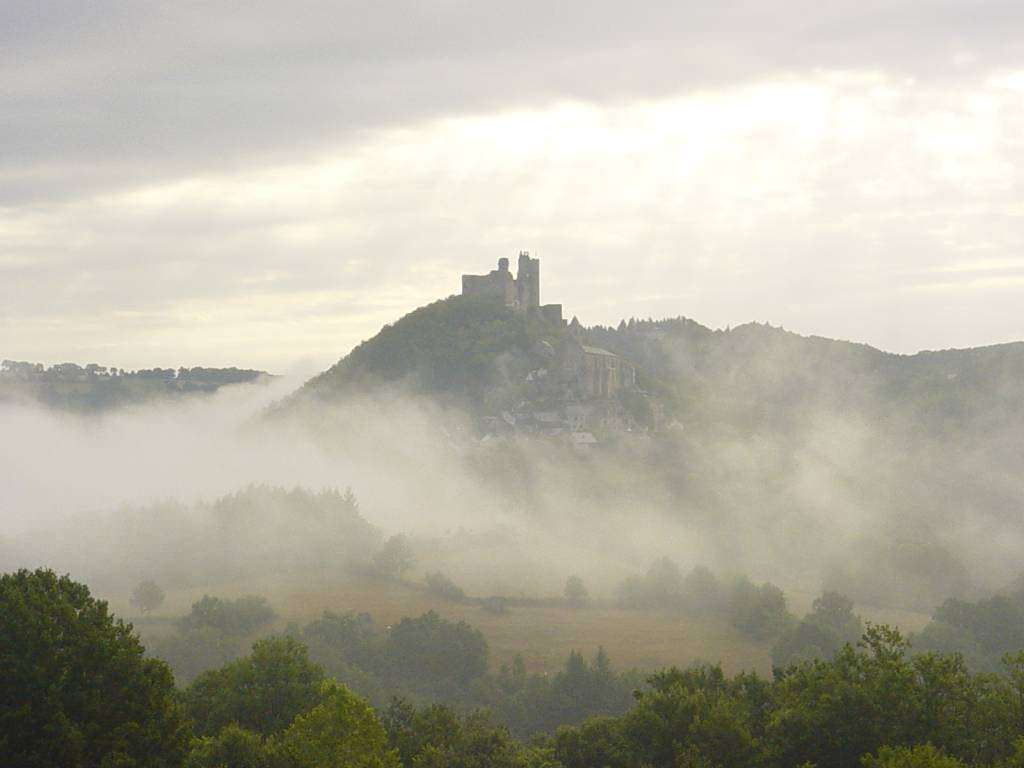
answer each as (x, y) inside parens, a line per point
(521, 292)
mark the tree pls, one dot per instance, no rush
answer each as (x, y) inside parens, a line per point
(575, 592)
(441, 586)
(598, 741)
(395, 557)
(233, 618)
(834, 611)
(147, 596)
(435, 652)
(232, 747)
(342, 731)
(262, 692)
(436, 737)
(921, 756)
(695, 717)
(830, 625)
(760, 613)
(76, 690)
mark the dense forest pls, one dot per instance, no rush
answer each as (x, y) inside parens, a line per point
(80, 690)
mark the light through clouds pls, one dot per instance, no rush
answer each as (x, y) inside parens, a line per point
(841, 204)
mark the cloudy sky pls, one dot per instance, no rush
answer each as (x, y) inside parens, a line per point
(267, 183)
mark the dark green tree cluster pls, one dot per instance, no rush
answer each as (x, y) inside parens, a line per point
(829, 626)
(211, 634)
(983, 631)
(275, 709)
(874, 705)
(758, 612)
(76, 690)
(531, 704)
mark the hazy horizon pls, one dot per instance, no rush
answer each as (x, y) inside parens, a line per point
(196, 186)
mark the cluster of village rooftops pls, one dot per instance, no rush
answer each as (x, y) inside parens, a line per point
(582, 381)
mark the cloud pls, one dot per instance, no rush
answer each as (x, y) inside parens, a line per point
(113, 93)
(831, 204)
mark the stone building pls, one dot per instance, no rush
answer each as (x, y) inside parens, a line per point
(593, 372)
(521, 292)
(578, 371)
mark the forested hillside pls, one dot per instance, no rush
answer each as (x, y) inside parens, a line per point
(94, 388)
(462, 350)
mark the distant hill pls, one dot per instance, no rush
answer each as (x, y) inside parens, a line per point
(759, 374)
(889, 464)
(477, 353)
(93, 387)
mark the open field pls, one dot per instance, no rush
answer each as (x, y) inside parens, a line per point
(543, 633)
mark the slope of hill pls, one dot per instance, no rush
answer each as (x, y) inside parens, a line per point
(462, 350)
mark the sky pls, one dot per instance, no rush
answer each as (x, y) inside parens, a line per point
(266, 184)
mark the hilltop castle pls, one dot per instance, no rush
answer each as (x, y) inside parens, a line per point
(521, 292)
(577, 370)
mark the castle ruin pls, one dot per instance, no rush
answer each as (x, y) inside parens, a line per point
(521, 292)
(580, 371)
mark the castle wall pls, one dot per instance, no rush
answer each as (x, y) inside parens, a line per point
(552, 313)
(521, 292)
(528, 282)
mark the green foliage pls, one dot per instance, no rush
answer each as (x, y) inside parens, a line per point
(341, 731)
(702, 592)
(441, 586)
(147, 596)
(695, 717)
(833, 712)
(449, 348)
(94, 387)
(262, 692)
(599, 741)
(830, 625)
(232, 747)
(77, 691)
(257, 532)
(985, 630)
(759, 612)
(233, 618)
(348, 638)
(436, 653)
(211, 634)
(190, 653)
(920, 756)
(533, 704)
(395, 557)
(75, 688)
(660, 587)
(436, 737)
(638, 407)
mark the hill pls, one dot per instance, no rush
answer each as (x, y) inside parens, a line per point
(761, 375)
(479, 354)
(90, 388)
(463, 350)
(895, 475)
